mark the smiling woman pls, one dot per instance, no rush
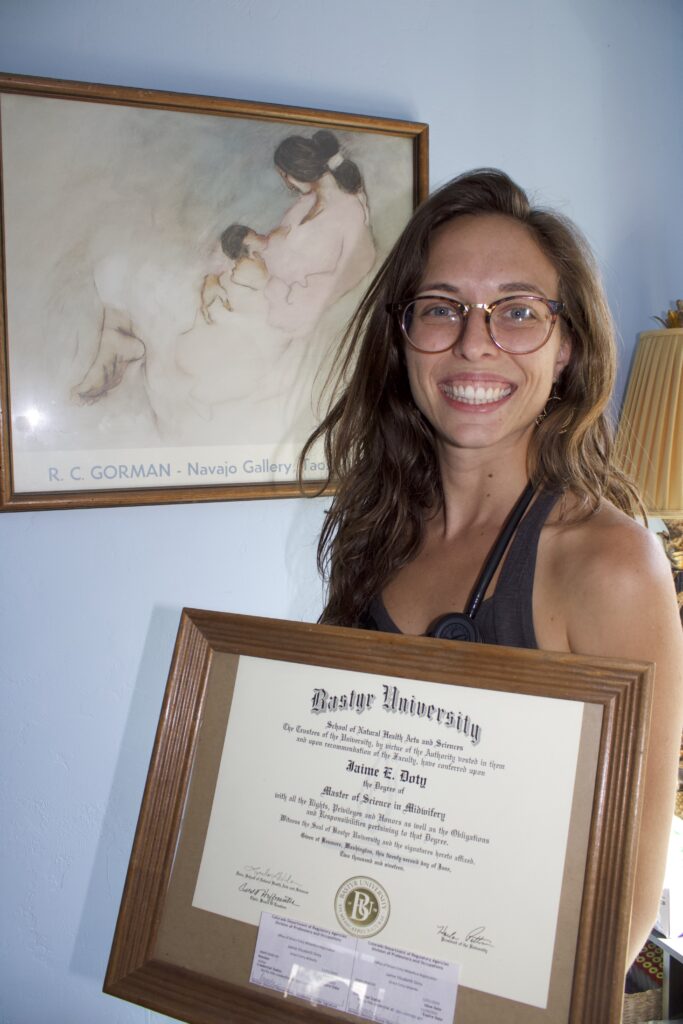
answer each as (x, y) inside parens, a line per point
(479, 368)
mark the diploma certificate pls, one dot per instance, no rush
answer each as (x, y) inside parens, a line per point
(455, 802)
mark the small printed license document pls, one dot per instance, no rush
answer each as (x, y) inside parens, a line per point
(358, 976)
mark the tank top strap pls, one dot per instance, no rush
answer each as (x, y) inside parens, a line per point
(512, 600)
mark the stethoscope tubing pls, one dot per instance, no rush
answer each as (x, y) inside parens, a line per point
(461, 625)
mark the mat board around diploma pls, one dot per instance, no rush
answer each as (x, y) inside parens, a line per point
(462, 803)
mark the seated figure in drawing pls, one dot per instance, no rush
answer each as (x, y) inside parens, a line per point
(323, 247)
(121, 343)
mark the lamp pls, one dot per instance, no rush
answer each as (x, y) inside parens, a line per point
(649, 443)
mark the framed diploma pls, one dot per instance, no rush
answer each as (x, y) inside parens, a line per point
(345, 825)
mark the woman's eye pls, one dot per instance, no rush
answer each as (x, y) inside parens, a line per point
(439, 312)
(519, 314)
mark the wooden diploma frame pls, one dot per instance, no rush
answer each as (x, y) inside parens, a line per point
(549, 746)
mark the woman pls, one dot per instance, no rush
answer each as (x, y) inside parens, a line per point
(323, 246)
(482, 358)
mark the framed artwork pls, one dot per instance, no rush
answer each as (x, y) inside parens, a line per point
(176, 274)
(343, 825)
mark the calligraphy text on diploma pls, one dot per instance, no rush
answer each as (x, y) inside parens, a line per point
(455, 800)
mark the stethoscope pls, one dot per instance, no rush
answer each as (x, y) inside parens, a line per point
(461, 625)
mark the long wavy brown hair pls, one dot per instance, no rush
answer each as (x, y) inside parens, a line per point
(379, 448)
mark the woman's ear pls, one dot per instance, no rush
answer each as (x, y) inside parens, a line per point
(564, 354)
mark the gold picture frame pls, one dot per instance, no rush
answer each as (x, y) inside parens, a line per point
(173, 955)
(171, 298)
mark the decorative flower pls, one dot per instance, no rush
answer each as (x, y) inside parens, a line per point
(674, 317)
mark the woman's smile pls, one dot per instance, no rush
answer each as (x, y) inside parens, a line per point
(476, 391)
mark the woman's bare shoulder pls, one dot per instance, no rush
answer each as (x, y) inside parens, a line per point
(614, 581)
(615, 588)
(606, 546)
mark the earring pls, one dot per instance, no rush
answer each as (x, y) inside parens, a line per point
(553, 397)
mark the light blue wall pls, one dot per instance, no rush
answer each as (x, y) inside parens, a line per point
(580, 100)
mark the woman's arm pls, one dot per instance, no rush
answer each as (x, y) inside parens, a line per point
(623, 605)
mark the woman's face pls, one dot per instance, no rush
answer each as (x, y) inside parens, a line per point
(294, 184)
(475, 395)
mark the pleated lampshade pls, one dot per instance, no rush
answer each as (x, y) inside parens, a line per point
(650, 438)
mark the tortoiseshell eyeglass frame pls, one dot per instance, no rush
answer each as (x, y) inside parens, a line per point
(398, 309)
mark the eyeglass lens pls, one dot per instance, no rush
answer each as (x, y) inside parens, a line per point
(518, 324)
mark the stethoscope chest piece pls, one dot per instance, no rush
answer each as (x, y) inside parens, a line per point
(455, 626)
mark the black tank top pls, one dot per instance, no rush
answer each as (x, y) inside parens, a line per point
(507, 616)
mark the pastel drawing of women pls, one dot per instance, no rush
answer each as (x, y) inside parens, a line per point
(256, 304)
(323, 247)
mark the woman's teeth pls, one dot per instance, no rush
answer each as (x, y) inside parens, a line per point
(476, 395)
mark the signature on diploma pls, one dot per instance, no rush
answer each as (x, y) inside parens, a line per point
(270, 879)
(283, 878)
(261, 894)
(475, 938)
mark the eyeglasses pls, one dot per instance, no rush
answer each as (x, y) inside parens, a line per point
(516, 323)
